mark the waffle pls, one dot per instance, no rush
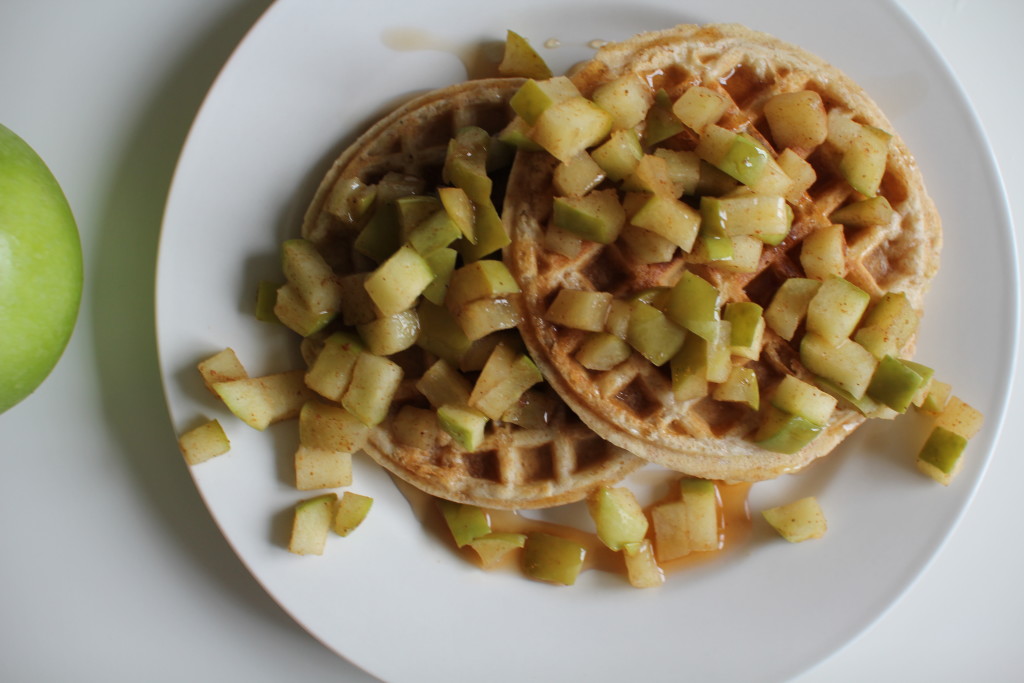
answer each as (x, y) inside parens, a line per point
(556, 461)
(633, 404)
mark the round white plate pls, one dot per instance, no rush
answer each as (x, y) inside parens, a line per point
(395, 599)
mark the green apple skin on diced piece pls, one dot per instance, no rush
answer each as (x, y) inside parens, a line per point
(660, 124)
(865, 405)
(517, 135)
(375, 380)
(465, 425)
(201, 443)
(716, 240)
(797, 119)
(836, 308)
(671, 218)
(580, 309)
(888, 326)
(602, 351)
(398, 282)
(314, 279)
(783, 432)
(568, 127)
(460, 209)
(294, 313)
(694, 305)
(440, 333)
(864, 213)
(863, 163)
(598, 216)
(798, 521)
(349, 512)
(413, 210)
(442, 384)
(442, 264)
(434, 232)
(700, 496)
(700, 106)
(266, 299)
(652, 334)
(715, 142)
(641, 566)
(847, 364)
(823, 253)
(617, 515)
(493, 548)
(627, 98)
(482, 317)
(745, 257)
(489, 232)
(465, 163)
(536, 95)
(578, 176)
(310, 525)
(391, 334)
(764, 217)
(747, 325)
(520, 59)
(739, 387)
(796, 397)
(484, 279)
(552, 559)
(941, 456)
(745, 159)
(789, 305)
(331, 372)
(382, 235)
(894, 384)
(689, 369)
(619, 155)
(465, 522)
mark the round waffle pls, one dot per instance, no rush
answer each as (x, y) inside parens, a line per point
(632, 404)
(556, 460)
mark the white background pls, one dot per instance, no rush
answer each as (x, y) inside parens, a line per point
(110, 566)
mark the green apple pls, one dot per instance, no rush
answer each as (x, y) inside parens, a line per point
(40, 270)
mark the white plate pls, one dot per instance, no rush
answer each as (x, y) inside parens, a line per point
(396, 600)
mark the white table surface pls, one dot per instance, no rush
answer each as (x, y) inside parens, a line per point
(110, 566)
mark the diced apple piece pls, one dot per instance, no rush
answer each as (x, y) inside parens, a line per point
(562, 242)
(521, 375)
(694, 305)
(661, 124)
(262, 401)
(739, 387)
(552, 559)
(331, 372)
(602, 351)
(670, 531)
(683, 169)
(533, 411)
(328, 427)
(578, 176)
(465, 522)
(464, 424)
(766, 218)
(391, 334)
(482, 317)
(520, 59)
(936, 398)
(842, 129)
(797, 119)
(798, 521)
(349, 512)
(888, 326)
(440, 333)
(796, 397)
(489, 232)
(746, 255)
(847, 364)
(579, 309)
(867, 406)
(310, 525)
(442, 264)
(494, 547)
(836, 308)
(701, 499)
(800, 172)
(382, 234)
(375, 380)
(941, 456)
(414, 209)
(398, 282)
(460, 209)
(441, 383)
(719, 352)
(647, 246)
(351, 201)
(745, 159)
(627, 98)
(641, 567)
(619, 155)
(307, 271)
(671, 218)
(617, 322)
(465, 163)
(864, 213)
(223, 366)
(517, 135)
(652, 334)
(894, 383)
(617, 515)
(689, 369)
(960, 418)
(783, 432)
(713, 235)
(864, 160)
(435, 232)
(789, 305)
(321, 469)
(651, 176)
(700, 106)
(416, 427)
(568, 127)
(295, 314)
(746, 328)
(536, 96)
(201, 443)
(484, 279)
(597, 216)
(823, 253)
